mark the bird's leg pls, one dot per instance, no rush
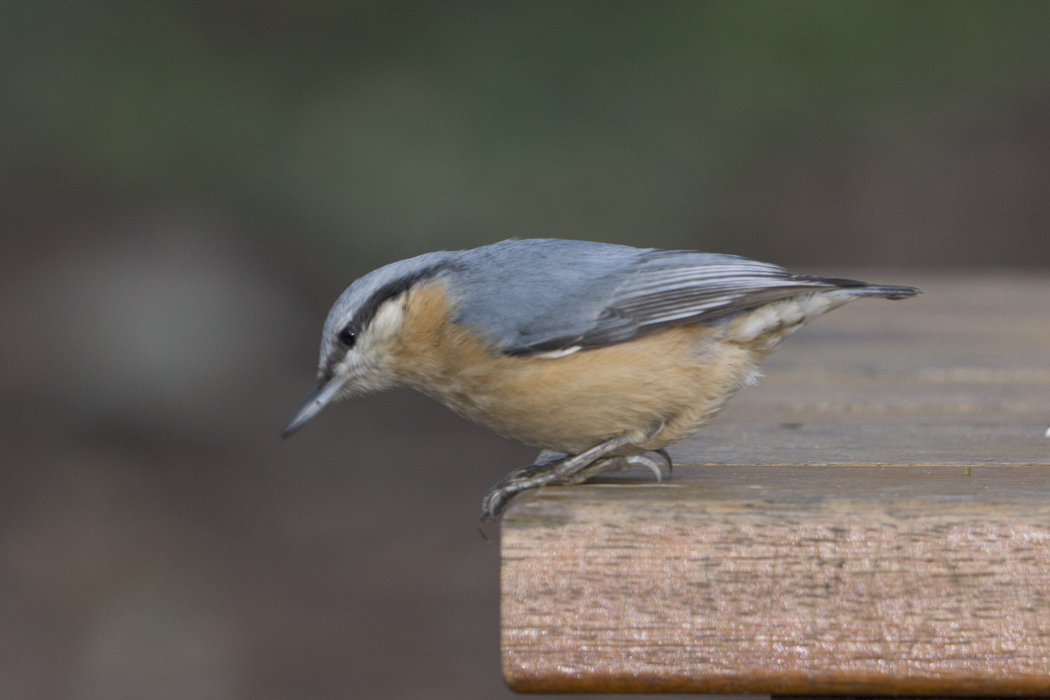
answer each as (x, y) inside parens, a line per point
(564, 471)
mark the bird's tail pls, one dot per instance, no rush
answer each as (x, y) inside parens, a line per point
(889, 291)
(863, 289)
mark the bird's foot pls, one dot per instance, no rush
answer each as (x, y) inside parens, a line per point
(623, 464)
(514, 483)
(558, 471)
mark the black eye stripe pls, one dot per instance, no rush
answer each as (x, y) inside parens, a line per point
(368, 310)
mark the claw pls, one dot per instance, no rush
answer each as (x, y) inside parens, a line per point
(667, 458)
(494, 500)
(517, 481)
(646, 462)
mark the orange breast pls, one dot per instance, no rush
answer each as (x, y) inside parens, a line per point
(657, 389)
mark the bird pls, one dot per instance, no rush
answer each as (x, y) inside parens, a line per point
(599, 354)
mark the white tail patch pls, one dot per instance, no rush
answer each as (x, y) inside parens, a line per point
(785, 315)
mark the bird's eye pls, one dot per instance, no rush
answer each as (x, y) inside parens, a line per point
(347, 336)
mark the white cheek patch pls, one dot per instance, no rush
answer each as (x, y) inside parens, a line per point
(364, 365)
(386, 323)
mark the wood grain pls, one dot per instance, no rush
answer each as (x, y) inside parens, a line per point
(872, 519)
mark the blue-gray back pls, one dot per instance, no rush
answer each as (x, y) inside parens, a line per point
(541, 295)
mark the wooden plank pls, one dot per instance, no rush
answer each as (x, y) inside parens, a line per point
(873, 519)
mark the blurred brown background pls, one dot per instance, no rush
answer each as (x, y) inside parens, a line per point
(185, 187)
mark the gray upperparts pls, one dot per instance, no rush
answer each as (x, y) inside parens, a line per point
(540, 295)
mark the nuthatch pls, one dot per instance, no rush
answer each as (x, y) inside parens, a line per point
(596, 353)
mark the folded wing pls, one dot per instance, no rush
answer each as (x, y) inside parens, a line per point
(666, 288)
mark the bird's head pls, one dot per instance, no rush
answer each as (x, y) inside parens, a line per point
(359, 330)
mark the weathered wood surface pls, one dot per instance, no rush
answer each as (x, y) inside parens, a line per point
(872, 519)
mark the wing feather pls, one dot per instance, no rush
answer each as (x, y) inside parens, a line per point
(667, 288)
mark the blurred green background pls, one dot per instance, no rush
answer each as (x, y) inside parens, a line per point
(857, 132)
(185, 186)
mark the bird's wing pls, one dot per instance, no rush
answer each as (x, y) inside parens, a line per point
(666, 288)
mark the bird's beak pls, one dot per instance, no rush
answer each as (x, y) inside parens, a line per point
(318, 399)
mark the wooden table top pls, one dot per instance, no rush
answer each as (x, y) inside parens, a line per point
(873, 518)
